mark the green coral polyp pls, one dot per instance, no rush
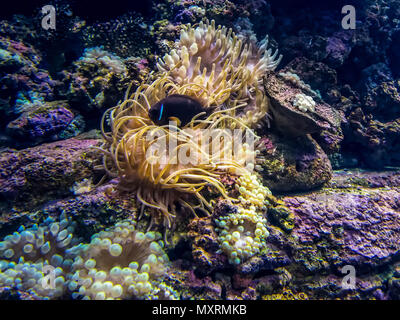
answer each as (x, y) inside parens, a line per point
(118, 263)
(29, 253)
(242, 234)
(252, 192)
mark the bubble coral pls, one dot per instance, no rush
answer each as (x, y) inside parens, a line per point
(252, 192)
(31, 252)
(242, 234)
(217, 67)
(304, 103)
(121, 263)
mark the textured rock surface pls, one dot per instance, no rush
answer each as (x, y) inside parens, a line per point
(291, 121)
(294, 164)
(205, 246)
(47, 122)
(44, 172)
(94, 210)
(355, 221)
(362, 225)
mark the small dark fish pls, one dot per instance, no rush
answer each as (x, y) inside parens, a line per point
(175, 106)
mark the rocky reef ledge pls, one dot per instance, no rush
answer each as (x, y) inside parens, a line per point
(354, 219)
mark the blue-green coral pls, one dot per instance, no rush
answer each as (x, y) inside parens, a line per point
(28, 253)
(119, 262)
(242, 234)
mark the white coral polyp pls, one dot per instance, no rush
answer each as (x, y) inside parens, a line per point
(304, 103)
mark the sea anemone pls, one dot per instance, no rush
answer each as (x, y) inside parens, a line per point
(215, 66)
(170, 165)
(163, 165)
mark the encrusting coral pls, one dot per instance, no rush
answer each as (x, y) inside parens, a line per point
(98, 80)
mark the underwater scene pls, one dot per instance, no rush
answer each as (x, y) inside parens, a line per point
(200, 150)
